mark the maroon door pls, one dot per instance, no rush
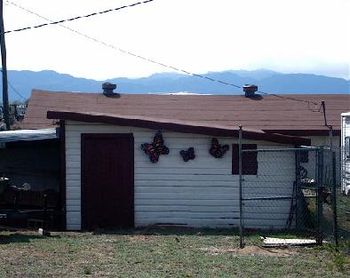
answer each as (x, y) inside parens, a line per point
(107, 175)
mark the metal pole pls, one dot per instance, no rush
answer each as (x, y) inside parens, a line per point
(297, 188)
(45, 212)
(330, 134)
(330, 127)
(334, 200)
(5, 98)
(241, 241)
(319, 196)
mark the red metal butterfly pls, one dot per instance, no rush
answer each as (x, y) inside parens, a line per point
(156, 148)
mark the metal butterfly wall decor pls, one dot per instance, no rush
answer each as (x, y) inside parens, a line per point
(218, 150)
(188, 155)
(156, 148)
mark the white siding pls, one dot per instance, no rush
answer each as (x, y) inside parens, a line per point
(201, 192)
(345, 161)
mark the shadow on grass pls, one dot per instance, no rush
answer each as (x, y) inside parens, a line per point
(20, 237)
(17, 237)
(179, 231)
(169, 230)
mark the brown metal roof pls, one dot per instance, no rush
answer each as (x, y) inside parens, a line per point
(269, 113)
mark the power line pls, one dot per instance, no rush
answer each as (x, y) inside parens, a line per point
(14, 89)
(129, 52)
(295, 99)
(76, 17)
(308, 102)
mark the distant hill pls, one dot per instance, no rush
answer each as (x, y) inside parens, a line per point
(268, 81)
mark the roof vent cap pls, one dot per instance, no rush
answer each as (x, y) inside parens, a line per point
(249, 90)
(108, 89)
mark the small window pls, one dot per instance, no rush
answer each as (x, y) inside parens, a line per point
(249, 160)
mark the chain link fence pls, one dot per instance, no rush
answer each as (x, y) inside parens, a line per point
(341, 199)
(292, 193)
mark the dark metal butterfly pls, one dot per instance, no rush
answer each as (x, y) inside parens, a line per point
(218, 150)
(156, 148)
(188, 155)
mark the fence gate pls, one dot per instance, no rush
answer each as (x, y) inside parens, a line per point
(335, 224)
(282, 190)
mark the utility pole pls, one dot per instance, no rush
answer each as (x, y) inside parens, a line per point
(5, 96)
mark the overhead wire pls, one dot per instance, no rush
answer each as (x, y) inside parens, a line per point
(76, 17)
(292, 98)
(308, 102)
(15, 90)
(127, 51)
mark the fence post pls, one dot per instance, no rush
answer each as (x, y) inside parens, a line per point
(241, 240)
(319, 191)
(334, 199)
(296, 189)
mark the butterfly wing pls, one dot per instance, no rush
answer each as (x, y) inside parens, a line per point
(225, 148)
(191, 154)
(215, 148)
(164, 150)
(158, 143)
(188, 154)
(150, 151)
(184, 155)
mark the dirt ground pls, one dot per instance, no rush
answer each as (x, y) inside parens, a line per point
(252, 251)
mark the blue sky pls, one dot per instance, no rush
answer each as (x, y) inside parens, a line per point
(196, 35)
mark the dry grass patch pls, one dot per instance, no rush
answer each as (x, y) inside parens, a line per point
(138, 238)
(252, 251)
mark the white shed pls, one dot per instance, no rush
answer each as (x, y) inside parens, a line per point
(111, 182)
(345, 153)
(295, 115)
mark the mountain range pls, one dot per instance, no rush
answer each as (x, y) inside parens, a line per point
(22, 82)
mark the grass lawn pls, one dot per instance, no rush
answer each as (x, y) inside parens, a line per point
(162, 253)
(343, 209)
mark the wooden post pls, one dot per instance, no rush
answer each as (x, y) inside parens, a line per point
(5, 98)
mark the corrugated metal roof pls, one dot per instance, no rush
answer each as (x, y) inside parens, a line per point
(27, 135)
(268, 113)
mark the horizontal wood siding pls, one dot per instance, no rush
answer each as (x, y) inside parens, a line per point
(345, 161)
(201, 192)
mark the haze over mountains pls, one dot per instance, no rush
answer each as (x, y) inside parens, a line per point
(22, 82)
